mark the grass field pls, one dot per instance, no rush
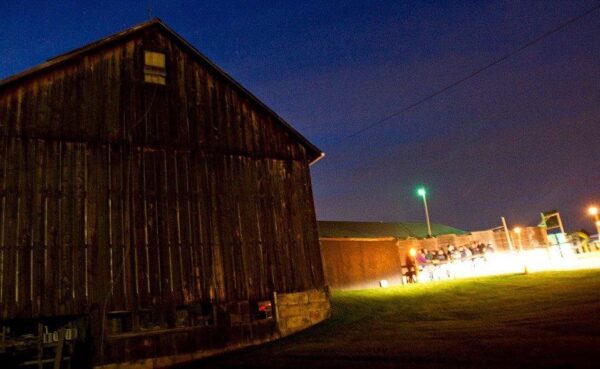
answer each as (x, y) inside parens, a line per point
(541, 320)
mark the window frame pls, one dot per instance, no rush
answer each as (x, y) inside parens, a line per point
(154, 74)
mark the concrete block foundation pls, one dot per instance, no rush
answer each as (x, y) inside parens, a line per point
(300, 310)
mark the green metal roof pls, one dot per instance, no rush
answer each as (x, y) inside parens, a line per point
(346, 229)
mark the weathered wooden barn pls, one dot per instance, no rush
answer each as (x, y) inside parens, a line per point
(152, 209)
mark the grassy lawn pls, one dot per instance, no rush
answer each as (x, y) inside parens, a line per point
(549, 320)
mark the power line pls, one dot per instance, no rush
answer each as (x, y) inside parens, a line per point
(475, 73)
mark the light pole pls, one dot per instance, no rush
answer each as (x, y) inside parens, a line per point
(421, 191)
(518, 232)
(593, 211)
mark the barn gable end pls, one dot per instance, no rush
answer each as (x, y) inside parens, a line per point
(106, 79)
(156, 218)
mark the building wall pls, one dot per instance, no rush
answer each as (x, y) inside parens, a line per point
(123, 196)
(295, 311)
(354, 264)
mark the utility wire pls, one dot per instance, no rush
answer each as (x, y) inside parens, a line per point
(475, 73)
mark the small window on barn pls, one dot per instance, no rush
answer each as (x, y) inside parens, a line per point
(149, 319)
(119, 322)
(182, 317)
(155, 70)
(201, 315)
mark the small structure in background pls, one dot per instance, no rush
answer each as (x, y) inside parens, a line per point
(361, 254)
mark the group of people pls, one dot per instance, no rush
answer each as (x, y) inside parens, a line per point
(443, 262)
(452, 253)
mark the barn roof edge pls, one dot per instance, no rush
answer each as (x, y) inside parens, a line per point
(398, 230)
(315, 154)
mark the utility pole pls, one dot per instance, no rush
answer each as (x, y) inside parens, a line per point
(508, 238)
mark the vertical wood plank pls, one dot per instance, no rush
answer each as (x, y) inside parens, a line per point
(78, 229)
(65, 231)
(4, 250)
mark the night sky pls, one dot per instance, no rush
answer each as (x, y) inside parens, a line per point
(522, 137)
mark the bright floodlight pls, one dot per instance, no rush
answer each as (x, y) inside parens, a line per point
(421, 191)
(593, 210)
(412, 252)
(517, 230)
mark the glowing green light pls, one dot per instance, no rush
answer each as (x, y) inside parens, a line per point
(421, 191)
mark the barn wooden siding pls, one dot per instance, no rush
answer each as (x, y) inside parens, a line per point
(173, 195)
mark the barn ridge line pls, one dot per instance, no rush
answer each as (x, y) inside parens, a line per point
(315, 153)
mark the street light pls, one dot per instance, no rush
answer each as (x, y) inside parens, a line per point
(421, 191)
(593, 211)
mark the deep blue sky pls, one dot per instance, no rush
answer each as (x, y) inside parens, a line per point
(520, 138)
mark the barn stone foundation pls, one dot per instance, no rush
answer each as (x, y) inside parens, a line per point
(300, 310)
